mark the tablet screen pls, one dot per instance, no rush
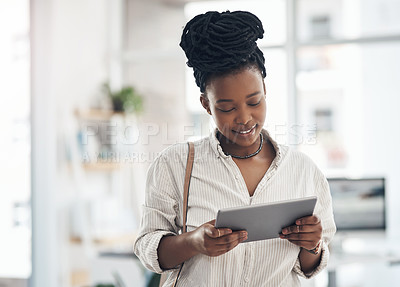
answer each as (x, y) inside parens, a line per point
(265, 221)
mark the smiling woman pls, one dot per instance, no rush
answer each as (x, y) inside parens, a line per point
(238, 164)
(237, 105)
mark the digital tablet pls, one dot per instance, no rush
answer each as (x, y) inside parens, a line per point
(265, 221)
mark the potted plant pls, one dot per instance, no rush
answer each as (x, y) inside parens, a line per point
(125, 100)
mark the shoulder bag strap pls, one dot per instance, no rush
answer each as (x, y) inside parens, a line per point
(188, 173)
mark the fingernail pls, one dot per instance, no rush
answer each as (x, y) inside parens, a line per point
(284, 231)
(298, 222)
(243, 234)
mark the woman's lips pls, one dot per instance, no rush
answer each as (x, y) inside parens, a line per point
(246, 131)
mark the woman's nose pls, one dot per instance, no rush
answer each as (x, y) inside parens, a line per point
(243, 117)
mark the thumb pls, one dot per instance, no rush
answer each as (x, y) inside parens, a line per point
(212, 222)
(210, 229)
(213, 232)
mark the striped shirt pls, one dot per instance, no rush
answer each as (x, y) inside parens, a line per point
(217, 183)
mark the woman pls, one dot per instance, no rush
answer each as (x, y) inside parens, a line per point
(238, 164)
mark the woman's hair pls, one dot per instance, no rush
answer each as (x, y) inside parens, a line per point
(221, 43)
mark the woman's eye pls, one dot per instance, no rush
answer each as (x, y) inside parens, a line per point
(255, 104)
(226, 111)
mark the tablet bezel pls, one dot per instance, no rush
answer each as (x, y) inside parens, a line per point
(265, 221)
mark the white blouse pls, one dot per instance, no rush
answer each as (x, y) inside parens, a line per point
(217, 183)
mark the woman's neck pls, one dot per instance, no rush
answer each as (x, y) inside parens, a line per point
(241, 152)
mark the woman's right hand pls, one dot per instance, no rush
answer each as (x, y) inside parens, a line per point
(211, 241)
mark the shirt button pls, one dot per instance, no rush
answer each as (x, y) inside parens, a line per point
(247, 279)
(237, 178)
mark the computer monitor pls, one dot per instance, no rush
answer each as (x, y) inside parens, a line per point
(358, 204)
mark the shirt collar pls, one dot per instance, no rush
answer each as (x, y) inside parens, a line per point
(216, 146)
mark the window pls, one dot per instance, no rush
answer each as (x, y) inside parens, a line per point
(346, 59)
(15, 182)
(321, 71)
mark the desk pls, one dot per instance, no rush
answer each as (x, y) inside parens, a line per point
(119, 267)
(363, 262)
(147, 278)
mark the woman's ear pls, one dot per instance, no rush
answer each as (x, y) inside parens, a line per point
(205, 103)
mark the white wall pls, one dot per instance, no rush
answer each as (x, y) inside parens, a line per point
(75, 48)
(80, 50)
(69, 62)
(155, 65)
(44, 241)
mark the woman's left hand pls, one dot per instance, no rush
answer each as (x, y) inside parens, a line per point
(306, 233)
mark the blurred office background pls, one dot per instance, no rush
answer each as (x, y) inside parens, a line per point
(74, 165)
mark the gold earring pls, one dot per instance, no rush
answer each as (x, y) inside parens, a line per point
(209, 112)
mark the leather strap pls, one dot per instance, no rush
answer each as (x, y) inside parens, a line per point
(188, 174)
(189, 167)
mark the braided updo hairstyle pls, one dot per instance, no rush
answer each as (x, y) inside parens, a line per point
(221, 43)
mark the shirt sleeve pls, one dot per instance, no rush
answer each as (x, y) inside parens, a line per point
(159, 213)
(324, 211)
(322, 264)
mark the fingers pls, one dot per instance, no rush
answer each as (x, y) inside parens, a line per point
(225, 236)
(300, 229)
(224, 244)
(306, 233)
(217, 241)
(213, 232)
(313, 219)
(300, 236)
(304, 225)
(305, 240)
(236, 236)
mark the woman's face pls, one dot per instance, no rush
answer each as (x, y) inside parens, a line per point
(237, 104)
